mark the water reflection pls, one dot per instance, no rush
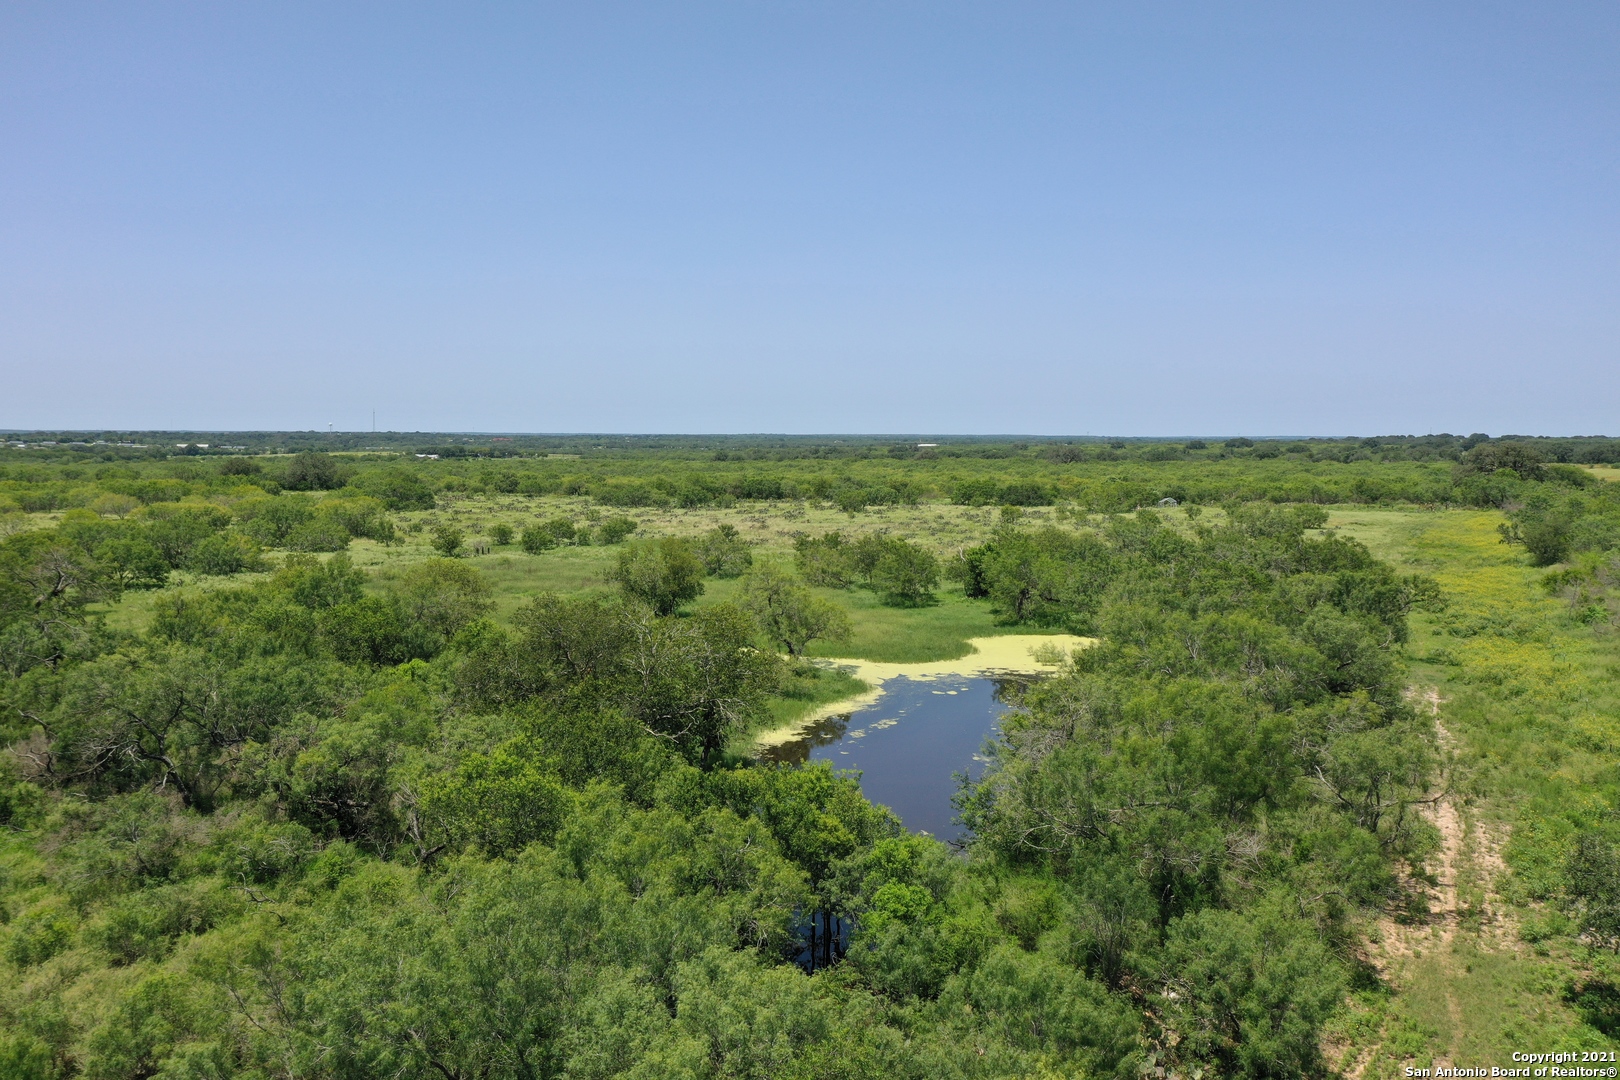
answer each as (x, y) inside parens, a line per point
(911, 743)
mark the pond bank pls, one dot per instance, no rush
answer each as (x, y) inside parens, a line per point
(1011, 654)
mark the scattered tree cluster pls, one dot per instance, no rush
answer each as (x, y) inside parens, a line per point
(900, 571)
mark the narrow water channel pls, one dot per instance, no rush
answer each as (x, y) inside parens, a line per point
(910, 744)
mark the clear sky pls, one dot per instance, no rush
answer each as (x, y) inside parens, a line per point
(1122, 218)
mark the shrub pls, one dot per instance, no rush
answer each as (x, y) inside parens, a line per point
(226, 553)
(788, 613)
(311, 471)
(1593, 876)
(501, 801)
(361, 517)
(500, 533)
(447, 539)
(537, 538)
(663, 573)
(272, 518)
(443, 595)
(322, 532)
(725, 554)
(239, 466)
(825, 560)
(615, 529)
(562, 529)
(905, 574)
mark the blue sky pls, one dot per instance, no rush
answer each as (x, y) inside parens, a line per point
(1025, 218)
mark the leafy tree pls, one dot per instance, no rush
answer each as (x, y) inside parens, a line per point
(176, 529)
(724, 552)
(45, 584)
(696, 681)
(240, 466)
(615, 529)
(273, 518)
(225, 553)
(865, 554)
(316, 584)
(1523, 459)
(172, 718)
(312, 471)
(501, 533)
(1251, 992)
(825, 560)
(322, 532)
(1046, 576)
(360, 517)
(902, 572)
(663, 573)
(502, 801)
(398, 489)
(905, 574)
(110, 504)
(1042, 1006)
(447, 539)
(1548, 537)
(375, 630)
(134, 562)
(537, 538)
(1593, 874)
(442, 595)
(789, 614)
(548, 534)
(690, 681)
(24, 1057)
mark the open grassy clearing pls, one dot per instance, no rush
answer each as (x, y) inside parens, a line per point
(1526, 703)
(939, 631)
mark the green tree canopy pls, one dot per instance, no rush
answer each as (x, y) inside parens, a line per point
(663, 573)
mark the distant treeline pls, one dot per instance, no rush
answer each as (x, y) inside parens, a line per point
(68, 446)
(1073, 476)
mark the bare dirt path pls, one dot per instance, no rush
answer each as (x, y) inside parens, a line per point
(1459, 886)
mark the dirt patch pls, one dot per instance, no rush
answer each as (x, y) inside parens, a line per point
(1460, 886)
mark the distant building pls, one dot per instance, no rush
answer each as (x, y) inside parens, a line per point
(1168, 502)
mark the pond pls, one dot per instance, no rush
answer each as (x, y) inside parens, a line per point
(911, 743)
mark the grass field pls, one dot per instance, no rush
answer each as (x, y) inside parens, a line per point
(1528, 712)
(935, 632)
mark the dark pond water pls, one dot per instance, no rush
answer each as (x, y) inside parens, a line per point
(910, 744)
